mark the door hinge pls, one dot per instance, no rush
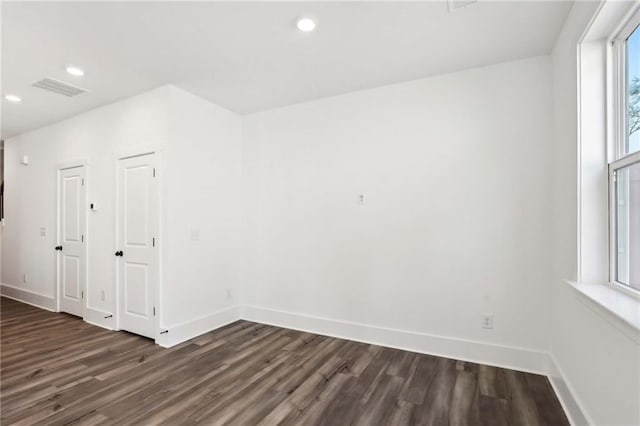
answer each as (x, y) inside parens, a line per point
(154, 311)
(615, 176)
(153, 241)
(82, 181)
(82, 238)
(154, 172)
(82, 294)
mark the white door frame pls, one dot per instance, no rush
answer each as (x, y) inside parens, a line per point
(121, 155)
(64, 166)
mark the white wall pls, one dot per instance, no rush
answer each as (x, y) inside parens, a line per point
(455, 171)
(600, 362)
(469, 184)
(30, 192)
(1, 227)
(204, 196)
(201, 176)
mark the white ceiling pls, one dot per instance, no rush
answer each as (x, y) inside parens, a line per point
(247, 56)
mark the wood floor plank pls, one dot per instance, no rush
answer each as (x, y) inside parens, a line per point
(548, 406)
(493, 411)
(464, 400)
(56, 369)
(381, 405)
(522, 407)
(416, 387)
(402, 414)
(435, 409)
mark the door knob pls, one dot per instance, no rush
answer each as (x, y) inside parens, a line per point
(119, 253)
(59, 248)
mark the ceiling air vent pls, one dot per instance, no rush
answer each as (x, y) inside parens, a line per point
(59, 87)
(459, 4)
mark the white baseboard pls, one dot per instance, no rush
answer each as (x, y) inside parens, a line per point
(465, 350)
(97, 317)
(29, 297)
(572, 406)
(189, 329)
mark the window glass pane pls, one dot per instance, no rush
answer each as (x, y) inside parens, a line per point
(633, 92)
(628, 225)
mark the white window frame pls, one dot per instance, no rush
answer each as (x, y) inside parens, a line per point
(618, 128)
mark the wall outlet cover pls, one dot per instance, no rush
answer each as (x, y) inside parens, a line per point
(487, 321)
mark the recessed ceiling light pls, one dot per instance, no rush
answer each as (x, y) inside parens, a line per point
(306, 24)
(75, 71)
(13, 98)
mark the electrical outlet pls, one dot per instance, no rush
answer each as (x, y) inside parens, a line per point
(229, 293)
(43, 232)
(195, 235)
(24, 277)
(102, 296)
(487, 321)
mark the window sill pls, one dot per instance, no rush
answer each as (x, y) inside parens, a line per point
(623, 308)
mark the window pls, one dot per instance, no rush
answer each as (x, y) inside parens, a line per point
(624, 164)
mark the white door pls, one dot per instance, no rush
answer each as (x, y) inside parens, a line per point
(72, 256)
(136, 241)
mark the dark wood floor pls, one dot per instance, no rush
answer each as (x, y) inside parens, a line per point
(57, 369)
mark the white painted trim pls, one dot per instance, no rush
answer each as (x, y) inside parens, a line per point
(136, 151)
(63, 165)
(614, 166)
(579, 154)
(29, 297)
(611, 21)
(184, 331)
(572, 406)
(97, 317)
(510, 357)
(615, 307)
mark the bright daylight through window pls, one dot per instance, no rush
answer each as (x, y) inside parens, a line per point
(624, 171)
